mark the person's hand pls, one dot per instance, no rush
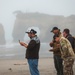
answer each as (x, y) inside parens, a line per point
(22, 43)
(51, 44)
(51, 50)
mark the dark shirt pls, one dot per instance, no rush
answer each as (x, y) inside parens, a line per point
(32, 51)
(71, 40)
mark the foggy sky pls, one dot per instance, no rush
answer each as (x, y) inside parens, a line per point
(51, 7)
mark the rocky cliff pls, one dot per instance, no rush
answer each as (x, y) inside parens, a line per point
(2, 35)
(44, 22)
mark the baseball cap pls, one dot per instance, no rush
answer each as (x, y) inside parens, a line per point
(31, 31)
(54, 28)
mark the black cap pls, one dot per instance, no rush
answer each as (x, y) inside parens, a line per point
(32, 31)
(54, 28)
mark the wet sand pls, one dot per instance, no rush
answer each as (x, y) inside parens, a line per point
(20, 67)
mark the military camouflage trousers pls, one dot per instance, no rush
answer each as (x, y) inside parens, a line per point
(68, 66)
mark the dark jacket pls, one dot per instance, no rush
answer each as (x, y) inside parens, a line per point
(71, 40)
(32, 51)
(56, 49)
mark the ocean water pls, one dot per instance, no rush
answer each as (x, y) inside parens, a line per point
(15, 51)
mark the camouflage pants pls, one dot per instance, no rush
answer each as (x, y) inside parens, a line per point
(68, 66)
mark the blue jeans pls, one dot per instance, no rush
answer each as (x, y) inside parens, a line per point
(33, 66)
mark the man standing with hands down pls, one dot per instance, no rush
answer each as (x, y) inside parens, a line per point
(32, 51)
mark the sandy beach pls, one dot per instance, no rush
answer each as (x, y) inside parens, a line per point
(20, 67)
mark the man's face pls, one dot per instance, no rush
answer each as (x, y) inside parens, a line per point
(30, 35)
(64, 34)
(55, 31)
(57, 39)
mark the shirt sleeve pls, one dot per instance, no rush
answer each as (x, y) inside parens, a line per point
(64, 48)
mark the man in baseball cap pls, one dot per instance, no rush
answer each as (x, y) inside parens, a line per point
(32, 51)
(56, 51)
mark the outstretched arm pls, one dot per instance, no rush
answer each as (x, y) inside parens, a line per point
(23, 44)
